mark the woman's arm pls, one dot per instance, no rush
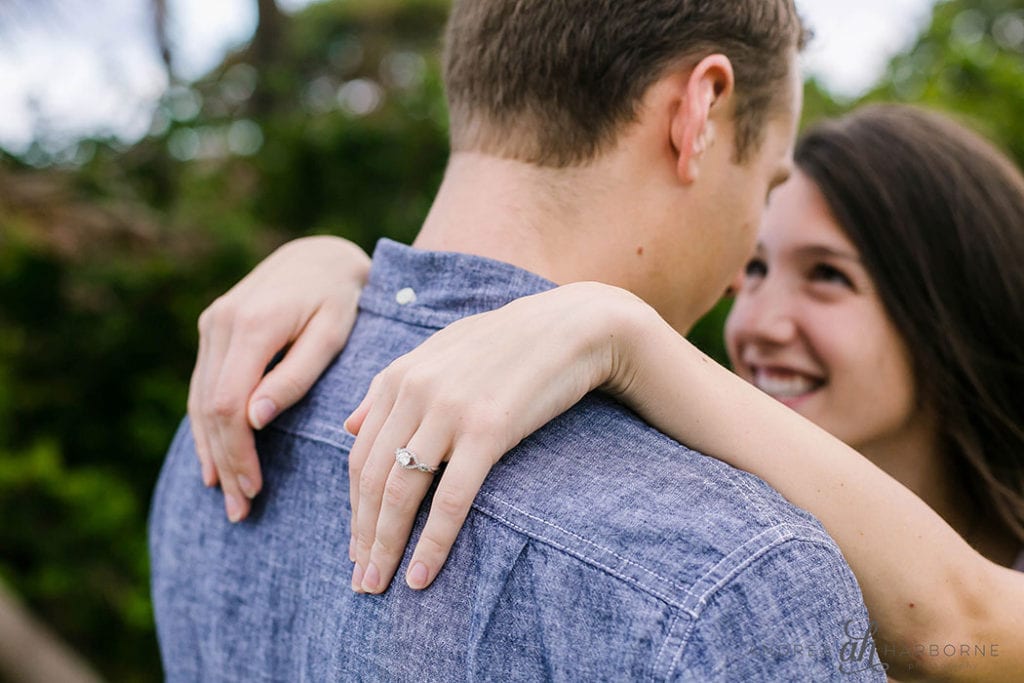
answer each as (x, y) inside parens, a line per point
(303, 295)
(923, 584)
(473, 391)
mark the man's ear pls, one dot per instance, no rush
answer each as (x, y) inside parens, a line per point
(709, 85)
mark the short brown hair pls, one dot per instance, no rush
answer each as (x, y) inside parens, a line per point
(552, 82)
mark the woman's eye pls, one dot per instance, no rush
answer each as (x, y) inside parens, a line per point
(826, 273)
(755, 268)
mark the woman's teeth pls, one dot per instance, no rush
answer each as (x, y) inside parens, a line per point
(786, 385)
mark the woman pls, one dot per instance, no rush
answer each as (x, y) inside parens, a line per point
(885, 303)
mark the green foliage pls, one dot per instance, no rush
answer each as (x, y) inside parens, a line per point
(969, 62)
(105, 266)
(72, 543)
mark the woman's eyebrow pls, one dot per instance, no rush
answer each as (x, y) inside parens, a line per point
(819, 250)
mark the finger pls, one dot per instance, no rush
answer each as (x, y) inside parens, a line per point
(200, 386)
(470, 462)
(291, 379)
(236, 501)
(397, 430)
(234, 448)
(403, 493)
(195, 425)
(379, 407)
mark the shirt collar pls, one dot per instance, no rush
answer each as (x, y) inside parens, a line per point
(436, 288)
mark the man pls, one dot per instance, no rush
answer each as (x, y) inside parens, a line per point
(631, 142)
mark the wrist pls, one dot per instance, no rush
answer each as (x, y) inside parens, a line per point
(624, 321)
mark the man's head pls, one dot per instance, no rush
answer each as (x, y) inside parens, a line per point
(553, 82)
(656, 127)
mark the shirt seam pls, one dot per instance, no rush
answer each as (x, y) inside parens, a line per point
(685, 642)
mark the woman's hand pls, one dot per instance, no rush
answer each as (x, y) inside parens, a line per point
(466, 396)
(305, 295)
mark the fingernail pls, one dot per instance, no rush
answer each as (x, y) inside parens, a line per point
(234, 507)
(357, 579)
(417, 576)
(352, 549)
(372, 579)
(344, 425)
(262, 412)
(246, 485)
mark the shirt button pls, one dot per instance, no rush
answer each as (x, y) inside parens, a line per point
(405, 296)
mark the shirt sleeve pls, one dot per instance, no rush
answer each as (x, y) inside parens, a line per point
(794, 613)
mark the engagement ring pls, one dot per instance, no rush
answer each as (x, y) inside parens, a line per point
(407, 460)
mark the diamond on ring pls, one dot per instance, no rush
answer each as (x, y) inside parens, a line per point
(407, 460)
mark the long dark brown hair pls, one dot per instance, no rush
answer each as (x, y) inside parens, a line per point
(937, 214)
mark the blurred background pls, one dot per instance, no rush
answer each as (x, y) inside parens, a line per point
(152, 151)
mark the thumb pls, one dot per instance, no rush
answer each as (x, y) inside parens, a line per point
(354, 422)
(302, 365)
(281, 388)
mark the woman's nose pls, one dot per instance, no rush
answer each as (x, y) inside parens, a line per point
(763, 316)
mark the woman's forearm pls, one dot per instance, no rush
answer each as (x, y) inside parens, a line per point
(922, 583)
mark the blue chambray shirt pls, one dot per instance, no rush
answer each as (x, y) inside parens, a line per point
(599, 549)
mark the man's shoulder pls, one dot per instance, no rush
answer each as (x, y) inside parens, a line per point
(602, 485)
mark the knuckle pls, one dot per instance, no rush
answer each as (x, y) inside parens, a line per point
(451, 503)
(364, 540)
(387, 381)
(446, 405)
(204, 322)
(485, 420)
(368, 484)
(355, 469)
(396, 493)
(213, 314)
(416, 380)
(249, 321)
(431, 547)
(238, 461)
(333, 337)
(385, 547)
(291, 387)
(224, 462)
(224, 407)
(419, 385)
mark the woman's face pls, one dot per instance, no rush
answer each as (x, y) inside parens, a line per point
(808, 328)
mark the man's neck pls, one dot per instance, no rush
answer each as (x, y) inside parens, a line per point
(538, 219)
(615, 220)
(506, 210)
